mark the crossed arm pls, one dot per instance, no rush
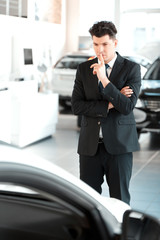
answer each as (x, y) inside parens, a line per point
(127, 91)
(100, 71)
(122, 100)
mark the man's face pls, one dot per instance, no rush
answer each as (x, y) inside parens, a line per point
(105, 46)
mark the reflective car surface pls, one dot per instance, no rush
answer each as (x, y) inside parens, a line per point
(149, 99)
(41, 201)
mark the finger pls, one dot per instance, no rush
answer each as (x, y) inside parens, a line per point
(124, 88)
(94, 71)
(128, 90)
(101, 59)
(123, 91)
(93, 65)
(127, 93)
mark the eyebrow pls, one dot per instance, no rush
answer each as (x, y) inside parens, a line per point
(100, 43)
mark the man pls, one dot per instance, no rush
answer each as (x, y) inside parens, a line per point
(106, 98)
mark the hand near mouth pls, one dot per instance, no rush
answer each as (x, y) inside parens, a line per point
(100, 70)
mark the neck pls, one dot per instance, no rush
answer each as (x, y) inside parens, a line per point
(110, 59)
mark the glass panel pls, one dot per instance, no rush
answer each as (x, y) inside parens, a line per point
(143, 4)
(140, 35)
(17, 8)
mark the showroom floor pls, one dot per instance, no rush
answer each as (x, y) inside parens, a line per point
(61, 150)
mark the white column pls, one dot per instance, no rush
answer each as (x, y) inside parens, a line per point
(117, 18)
(72, 25)
(117, 14)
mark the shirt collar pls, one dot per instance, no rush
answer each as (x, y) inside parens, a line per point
(111, 63)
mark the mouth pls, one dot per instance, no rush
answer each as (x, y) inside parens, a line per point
(102, 55)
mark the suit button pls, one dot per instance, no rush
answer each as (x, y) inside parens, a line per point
(99, 123)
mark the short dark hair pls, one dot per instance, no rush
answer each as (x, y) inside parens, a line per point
(99, 29)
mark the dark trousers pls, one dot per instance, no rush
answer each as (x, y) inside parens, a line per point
(116, 168)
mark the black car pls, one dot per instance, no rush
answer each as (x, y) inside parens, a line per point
(42, 202)
(149, 100)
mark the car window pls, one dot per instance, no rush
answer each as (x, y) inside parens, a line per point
(140, 60)
(71, 62)
(25, 216)
(154, 71)
(32, 219)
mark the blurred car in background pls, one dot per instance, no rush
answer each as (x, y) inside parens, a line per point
(64, 72)
(42, 201)
(142, 61)
(63, 77)
(149, 100)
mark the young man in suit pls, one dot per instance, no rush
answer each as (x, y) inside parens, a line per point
(105, 93)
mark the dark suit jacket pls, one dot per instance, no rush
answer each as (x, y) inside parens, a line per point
(118, 124)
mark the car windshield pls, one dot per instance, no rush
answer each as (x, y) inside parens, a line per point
(154, 71)
(71, 62)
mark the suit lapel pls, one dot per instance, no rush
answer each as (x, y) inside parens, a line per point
(93, 79)
(116, 70)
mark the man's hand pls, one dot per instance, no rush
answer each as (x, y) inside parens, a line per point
(100, 70)
(127, 91)
(110, 105)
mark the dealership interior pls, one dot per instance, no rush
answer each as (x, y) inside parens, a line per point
(33, 124)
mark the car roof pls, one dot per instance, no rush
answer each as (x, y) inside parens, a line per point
(71, 181)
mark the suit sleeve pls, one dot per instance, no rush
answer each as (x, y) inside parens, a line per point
(120, 102)
(81, 105)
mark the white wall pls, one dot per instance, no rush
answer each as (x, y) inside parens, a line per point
(46, 39)
(49, 41)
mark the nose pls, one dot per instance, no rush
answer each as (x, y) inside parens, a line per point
(100, 49)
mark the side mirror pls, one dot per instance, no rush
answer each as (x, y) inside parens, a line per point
(139, 226)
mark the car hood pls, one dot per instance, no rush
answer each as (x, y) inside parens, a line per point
(150, 88)
(64, 71)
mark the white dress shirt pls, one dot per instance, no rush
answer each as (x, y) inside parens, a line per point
(109, 69)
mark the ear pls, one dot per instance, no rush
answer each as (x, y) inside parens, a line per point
(115, 43)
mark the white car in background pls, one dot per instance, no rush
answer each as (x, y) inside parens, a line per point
(63, 77)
